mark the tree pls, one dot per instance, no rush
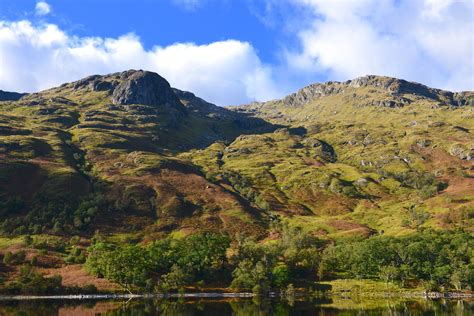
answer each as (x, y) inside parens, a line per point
(30, 281)
(175, 279)
(248, 276)
(96, 262)
(202, 254)
(127, 266)
(280, 275)
(389, 273)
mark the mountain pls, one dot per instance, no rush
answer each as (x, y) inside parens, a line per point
(127, 154)
(10, 96)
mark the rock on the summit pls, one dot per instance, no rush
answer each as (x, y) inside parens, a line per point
(144, 87)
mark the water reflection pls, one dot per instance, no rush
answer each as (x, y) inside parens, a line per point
(237, 307)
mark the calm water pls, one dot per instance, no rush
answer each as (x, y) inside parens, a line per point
(240, 307)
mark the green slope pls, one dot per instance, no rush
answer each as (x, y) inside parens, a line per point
(123, 160)
(340, 159)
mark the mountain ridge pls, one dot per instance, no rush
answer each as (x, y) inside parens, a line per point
(394, 86)
(314, 181)
(151, 152)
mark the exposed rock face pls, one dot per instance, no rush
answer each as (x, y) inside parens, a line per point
(462, 152)
(10, 96)
(143, 87)
(322, 149)
(80, 84)
(395, 87)
(312, 92)
(464, 98)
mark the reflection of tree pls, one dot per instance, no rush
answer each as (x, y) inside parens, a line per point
(257, 306)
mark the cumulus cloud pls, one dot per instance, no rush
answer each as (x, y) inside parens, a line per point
(36, 57)
(42, 8)
(430, 41)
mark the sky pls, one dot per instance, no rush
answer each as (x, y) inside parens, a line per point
(237, 51)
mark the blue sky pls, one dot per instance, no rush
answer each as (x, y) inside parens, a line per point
(232, 52)
(154, 21)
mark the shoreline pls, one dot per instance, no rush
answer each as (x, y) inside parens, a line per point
(270, 295)
(128, 296)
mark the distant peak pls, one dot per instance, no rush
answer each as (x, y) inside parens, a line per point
(10, 96)
(393, 85)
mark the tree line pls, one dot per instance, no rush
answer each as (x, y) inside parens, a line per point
(436, 260)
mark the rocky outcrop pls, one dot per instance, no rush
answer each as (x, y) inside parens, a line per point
(394, 86)
(321, 148)
(397, 87)
(201, 107)
(311, 92)
(462, 152)
(464, 98)
(144, 87)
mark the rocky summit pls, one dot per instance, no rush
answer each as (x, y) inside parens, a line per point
(144, 87)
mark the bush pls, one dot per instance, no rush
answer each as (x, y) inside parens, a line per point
(76, 255)
(32, 282)
(176, 279)
(74, 241)
(34, 261)
(14, 258)
(8, 257)
(46, 242)
(27, 240)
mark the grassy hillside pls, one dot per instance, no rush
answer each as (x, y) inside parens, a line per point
(129, 159)
(379, 152)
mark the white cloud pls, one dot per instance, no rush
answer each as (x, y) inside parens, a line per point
(429, 41)
(39, 57)
(42, 8)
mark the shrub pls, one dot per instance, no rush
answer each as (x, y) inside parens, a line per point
(34, 261)
(31, 282)
(14, 258)
(176, 279)
(8, 257)
(27, 240)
